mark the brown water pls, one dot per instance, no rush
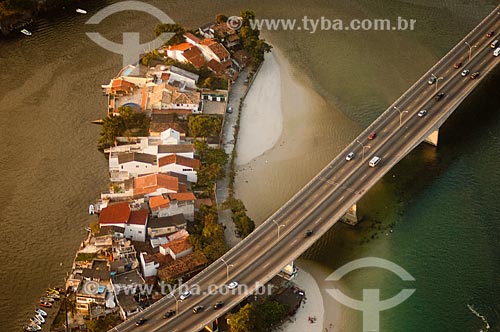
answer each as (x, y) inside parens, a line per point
(49, 93)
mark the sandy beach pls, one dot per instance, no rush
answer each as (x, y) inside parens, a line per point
(262, 115)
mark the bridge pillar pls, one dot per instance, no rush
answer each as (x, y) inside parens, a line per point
(432, 139)
(351, 217)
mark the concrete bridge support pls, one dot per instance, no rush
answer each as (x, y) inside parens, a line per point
(351, 217)
(432, 139)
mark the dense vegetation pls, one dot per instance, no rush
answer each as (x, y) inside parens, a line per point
(128, 123)
(212, 167)
(251, 38)
(208, 235)
(257, 317)
(204, 125)
(244, 224)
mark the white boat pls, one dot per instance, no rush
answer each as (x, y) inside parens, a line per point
(81, 11)
(40, 318)
(41, 312)
(26, 32)
(35, 321)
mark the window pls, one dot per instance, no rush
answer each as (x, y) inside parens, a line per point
(140, 232)
(187, 169)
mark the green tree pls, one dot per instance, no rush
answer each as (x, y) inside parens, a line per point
(245, 320)
(177, 29)
(204, 125)
(127, 123)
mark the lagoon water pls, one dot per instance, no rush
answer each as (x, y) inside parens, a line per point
(441, 203)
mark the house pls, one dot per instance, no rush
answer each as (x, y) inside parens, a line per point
(155, 184)
(186, 266)
(119, 86)
(171, 204)
(132, 164)
(172, 75)
(125, 285)
(179, 164)
(175, 51)
(241, 59)
(162, 122)
(166, 225)
(90, 293)
(167, 97)
(177, 248)
(212, 50)
(133, 221)
(194, 57)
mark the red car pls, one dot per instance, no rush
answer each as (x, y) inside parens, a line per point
(490, 34)
(372, 135)
(457, 65)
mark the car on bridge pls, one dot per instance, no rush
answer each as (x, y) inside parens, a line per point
(141, 321)
(374, 161)
(474, 75)
(185, 295)
(490, 34)
(372, 135)
(198, 308)
(457, 65)
(169, 314)
(496, 52)
(432, 80)
(232, 285)
(465, 72)
(219, 305)
(308, 233)
(350, 156)
(422, 113)
(439, 96)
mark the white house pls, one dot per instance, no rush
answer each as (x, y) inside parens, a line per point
(168, 97)
(177, 248)
(132, 164)
(179, 164)
(148, 265)
(171, 204)
(133, 221)
(166, 225)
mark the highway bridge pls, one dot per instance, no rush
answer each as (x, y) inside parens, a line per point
(327, 197)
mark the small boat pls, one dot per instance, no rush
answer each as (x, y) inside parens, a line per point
(26, 32)
(40, 318)
(35, 321)
(81, 11)
(54, 296)
(46, 299)
(45, 304)
(41, 312)
(52, 291)
(32, 327)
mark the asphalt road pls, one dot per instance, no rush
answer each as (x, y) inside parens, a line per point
(331, 193)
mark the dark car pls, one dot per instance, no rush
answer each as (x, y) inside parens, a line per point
(457, 65)
(218, 305)
(474, 75)
(308, 233)
(169, 314)
(490, 34)
(439, 96)
(372, 135)
(141, 321)
(198, 308)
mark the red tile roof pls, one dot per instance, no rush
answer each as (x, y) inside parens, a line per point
(180, 47)
(180, 160)
(115, 214)
(194, 56)
(188, 196)
(178, 246)
(150, 183)
(189, 35)
(159, 202)
(138, 217)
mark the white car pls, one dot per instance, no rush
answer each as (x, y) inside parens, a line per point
(350, 156)
(496, 52)
(465, 72)
(185, 295)
(232, 285)
(422, 113)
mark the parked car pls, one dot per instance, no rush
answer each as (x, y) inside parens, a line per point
(465, 72)
(474, 75)
(490, 34)
(219, 305)
(141, 321)
(457, 65)
(232, 285)
(350, 156)
(185, 295)
(422, 113)
(439, 96)
(229, 110)
(198, 308)
(372, 135)
(169, 314)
